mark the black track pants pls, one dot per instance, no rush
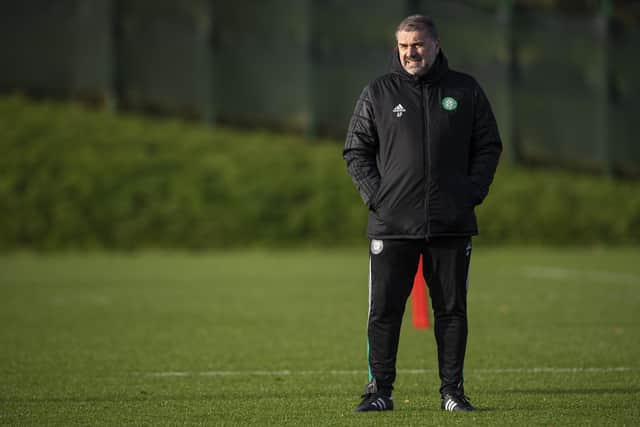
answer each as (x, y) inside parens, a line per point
(393, 265)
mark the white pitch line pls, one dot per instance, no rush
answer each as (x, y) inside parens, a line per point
(539, 370)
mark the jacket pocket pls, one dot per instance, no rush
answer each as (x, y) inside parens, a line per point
(374, 201)
(461, 201)
(470, 192)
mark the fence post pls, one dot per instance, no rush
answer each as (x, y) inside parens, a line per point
(603, 25)
(413, 7)
(506, 17)
(204, 62)
(114, 89)
(311, 129)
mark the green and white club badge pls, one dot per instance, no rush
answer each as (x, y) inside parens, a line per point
(449, 103)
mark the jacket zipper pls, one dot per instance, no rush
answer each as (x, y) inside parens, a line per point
(427, 156)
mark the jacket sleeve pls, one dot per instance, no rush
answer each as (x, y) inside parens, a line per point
(360, 150)
(486, 147)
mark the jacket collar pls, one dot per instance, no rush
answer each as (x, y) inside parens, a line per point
(433, 75)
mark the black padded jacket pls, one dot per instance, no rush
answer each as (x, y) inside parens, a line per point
(422, 152)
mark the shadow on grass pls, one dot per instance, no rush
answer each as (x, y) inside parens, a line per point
(142, 397)
(549, 391)
(436, 410)
(146, 396)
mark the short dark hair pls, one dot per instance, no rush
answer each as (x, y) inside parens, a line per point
(419, 23)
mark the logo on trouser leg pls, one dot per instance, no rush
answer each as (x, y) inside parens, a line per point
(376, 246)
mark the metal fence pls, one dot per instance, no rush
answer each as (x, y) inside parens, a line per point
(563, 86)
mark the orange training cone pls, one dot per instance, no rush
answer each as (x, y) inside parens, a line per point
(419, 304)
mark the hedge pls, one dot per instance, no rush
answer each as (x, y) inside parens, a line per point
(74, 179)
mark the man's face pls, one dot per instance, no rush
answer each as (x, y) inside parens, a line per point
(417, 51)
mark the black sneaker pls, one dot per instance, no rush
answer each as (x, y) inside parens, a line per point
(374, 399)
(456, 402)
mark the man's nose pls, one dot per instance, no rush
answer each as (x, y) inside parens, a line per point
(413, 51)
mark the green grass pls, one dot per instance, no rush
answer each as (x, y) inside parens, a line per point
(84, 337)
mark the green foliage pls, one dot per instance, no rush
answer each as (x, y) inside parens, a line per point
(71, 178)
(560, 208)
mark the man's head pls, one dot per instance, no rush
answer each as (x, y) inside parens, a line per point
(418, 44)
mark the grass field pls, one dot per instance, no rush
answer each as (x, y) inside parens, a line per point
(278, 338)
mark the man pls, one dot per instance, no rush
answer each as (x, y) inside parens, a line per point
(422, 149)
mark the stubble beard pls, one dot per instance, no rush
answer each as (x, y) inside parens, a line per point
(416, 67)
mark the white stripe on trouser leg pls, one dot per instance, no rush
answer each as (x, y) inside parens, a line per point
(369, 315)
(469, 264)
(370, 292)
